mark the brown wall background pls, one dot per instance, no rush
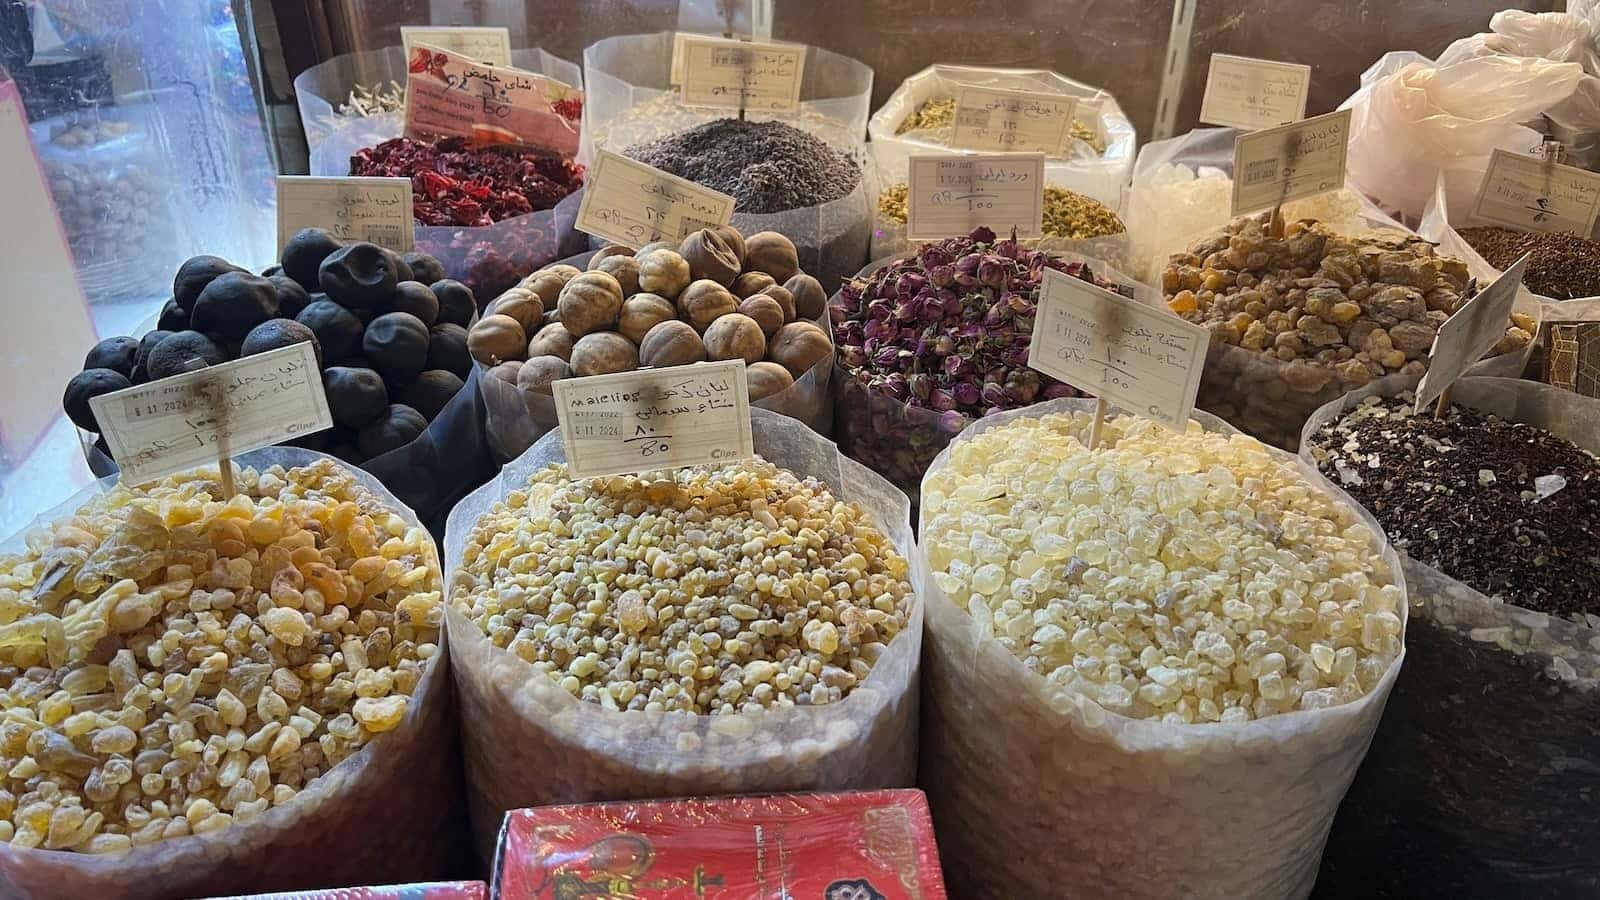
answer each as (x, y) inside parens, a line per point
(1117, 44)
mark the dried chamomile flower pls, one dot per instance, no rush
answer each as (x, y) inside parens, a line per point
(171, 663)
(704, 590)
(1188, 578)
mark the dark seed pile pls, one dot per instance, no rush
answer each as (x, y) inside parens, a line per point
(766, 167)
(1506, 508)
(1562, 267)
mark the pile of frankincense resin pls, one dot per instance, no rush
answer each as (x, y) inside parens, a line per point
(1187, 577)
(172, 663)
(709, 590)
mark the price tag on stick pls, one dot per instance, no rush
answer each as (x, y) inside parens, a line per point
(486, 45)
(950, 194)
(1466, 336)
(1021, 121)
(742, 75)
(1302, 159)
(1248, 93)
(1143, 358)
(655, 419)
(629, 203)
(188, 420)
(1537, 195)
(377, 210)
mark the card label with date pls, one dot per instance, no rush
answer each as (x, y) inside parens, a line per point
(648, 419)
(188, 420)
(1141, 357)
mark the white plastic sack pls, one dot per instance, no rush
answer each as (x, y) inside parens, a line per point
(1040, 792)
(1413, 120)
(1489, 755)
(530, 743)
(630, 100)
(374, 818)
(1097, 175)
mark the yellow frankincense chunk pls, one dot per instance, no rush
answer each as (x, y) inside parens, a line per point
(1187, 578)
(171, 663)
(704, 590)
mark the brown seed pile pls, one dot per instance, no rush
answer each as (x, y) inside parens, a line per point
(1562, 266)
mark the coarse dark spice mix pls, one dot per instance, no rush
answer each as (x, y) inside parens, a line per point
(767, 167)
(1562, 267)
(1506, 508)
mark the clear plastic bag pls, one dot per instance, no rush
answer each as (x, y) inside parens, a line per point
(375, 817)
(1414, 120)
(1098, 174)
(1041, 792)
(487, 259)
(630, 101)
(530, 743)
(1489, 754)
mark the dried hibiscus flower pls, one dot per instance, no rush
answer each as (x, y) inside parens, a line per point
(455, 183)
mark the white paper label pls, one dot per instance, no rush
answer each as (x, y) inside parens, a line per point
(950, 194)
(1466, 336)
(450, 95)
(1013, 121)
(742, 74)
(1301, 159)
(1248, 93)
(1533, 195)
(1143, 358)
(629, 203)
(486, 45)
(190, 420)
(655, 419)
(376, 210)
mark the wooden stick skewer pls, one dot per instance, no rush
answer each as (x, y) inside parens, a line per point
(1099, 422)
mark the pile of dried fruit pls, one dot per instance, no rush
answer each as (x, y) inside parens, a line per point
(388, 329)
(455, 183)
(716, 295)
(172, 663)
(707, 590)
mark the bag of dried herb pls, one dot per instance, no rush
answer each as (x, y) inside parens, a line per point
(1490, 750)
(748, 628)
(1073, 223)
(928, 342)
(919, 117)
(209, 696)
(805, 175)
(1153, 667)
(490, 214)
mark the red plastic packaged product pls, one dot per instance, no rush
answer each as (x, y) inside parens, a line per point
(869, 845)
(433, 890)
